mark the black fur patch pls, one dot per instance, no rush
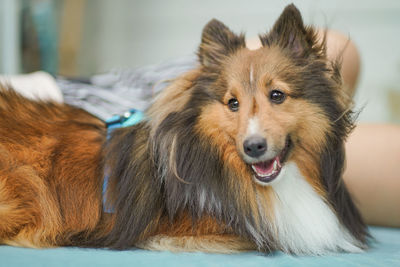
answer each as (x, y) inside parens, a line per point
(134, 191)
(332, 163)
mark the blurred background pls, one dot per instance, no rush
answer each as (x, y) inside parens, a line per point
(80, 38)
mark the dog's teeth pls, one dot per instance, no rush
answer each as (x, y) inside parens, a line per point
(275, 165)
(254, 168)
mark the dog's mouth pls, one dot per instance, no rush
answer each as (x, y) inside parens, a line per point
(266, 171)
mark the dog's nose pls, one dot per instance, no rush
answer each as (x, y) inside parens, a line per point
(255, 146)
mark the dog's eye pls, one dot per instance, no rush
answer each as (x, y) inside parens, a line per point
(233, 104)
(277, 96)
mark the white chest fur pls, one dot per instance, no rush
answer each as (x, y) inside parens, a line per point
(305, 223)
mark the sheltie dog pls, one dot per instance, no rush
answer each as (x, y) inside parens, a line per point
(245, 152)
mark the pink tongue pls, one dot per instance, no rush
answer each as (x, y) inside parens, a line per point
(265, 168)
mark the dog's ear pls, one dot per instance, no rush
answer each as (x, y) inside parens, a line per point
(218, 42)
(290, 33)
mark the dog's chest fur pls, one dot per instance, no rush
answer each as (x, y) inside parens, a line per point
(304, 222)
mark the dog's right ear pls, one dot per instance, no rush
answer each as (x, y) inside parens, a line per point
(290, 33)
(218, 42)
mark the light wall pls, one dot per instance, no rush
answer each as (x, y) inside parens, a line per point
(9, 36)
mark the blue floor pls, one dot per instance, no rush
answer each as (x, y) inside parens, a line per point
(385, 251)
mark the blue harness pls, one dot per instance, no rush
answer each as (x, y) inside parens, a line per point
(129, 118)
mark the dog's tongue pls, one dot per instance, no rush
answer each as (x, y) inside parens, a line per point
(268, 167)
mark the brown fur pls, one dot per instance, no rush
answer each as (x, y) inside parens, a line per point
(44, 147)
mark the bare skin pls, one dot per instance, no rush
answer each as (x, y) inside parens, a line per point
(373, 172)
(373, 150)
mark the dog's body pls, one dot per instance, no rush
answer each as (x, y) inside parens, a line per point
(244, 152)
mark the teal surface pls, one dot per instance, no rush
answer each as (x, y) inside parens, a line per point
(385, 251)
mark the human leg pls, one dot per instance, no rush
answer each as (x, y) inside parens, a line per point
(373, 172)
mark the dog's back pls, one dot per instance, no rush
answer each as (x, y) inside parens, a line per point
(36, 138)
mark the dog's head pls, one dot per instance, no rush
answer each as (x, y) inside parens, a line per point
(276, 104)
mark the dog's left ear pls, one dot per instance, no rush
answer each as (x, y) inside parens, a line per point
(218, 42)
(290, 33)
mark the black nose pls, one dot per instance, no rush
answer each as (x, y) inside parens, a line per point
(255, 146)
